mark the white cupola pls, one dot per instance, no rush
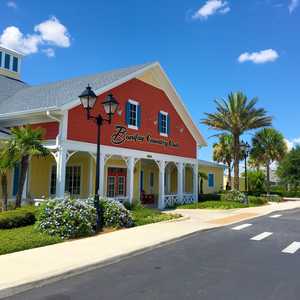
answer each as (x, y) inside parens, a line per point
(10, 63)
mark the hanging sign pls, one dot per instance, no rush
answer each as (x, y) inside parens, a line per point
(121, 136)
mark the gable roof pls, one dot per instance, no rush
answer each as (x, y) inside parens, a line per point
(210, 164)
(57, 94)
(63, 95)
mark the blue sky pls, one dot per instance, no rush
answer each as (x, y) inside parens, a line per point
(198, 43)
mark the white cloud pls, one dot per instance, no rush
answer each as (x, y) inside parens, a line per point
(292, 143)
(11, 4)
(211, 7)
(14, 39)
(260, 57)
(49, 52)
(293, 5)
(50, 32)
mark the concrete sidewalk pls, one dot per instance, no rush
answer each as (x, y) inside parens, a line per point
(26, 269)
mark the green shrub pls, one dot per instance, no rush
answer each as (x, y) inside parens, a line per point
(234, 195)
(115, 214)
(17, 218)
(66, 218)
(209, 197)
(253, 200)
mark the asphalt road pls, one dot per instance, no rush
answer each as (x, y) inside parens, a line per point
(219, 264)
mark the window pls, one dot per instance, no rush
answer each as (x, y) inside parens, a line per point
(53, 181)
(133, 114)
(7, 61)
(73, 178)
(142, 181)
(211, 180)
(121, 186)
(111, 186)
(1, 59)
(151, 180)
(15, 64)
(163, 123)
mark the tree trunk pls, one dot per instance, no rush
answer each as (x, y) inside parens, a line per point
(268, 177)
(4, 191)
(229, 174)
(23, 172)
(236, 162)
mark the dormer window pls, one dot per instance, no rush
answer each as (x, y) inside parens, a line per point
(133, 114)
(163, 123)
(7, 61)
(15, 64)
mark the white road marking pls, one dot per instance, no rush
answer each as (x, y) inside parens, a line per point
(275, 216)
(261, 236)
(240, 227)
(292, 248)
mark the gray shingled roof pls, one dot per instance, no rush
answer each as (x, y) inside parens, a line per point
(56, 94)
(211, 164)
(9, 86)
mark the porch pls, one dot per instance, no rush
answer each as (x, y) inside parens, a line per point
(154, 179)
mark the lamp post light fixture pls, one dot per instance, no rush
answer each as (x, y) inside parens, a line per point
(88, 100)
(246, 149)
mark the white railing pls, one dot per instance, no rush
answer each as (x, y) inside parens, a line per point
(171, 200)
(187, 198)
(121, 199)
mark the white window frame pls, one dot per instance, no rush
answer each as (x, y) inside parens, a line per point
(124, 186)
(165, 134)
(114, 190)
(211, 187)
(133, 102)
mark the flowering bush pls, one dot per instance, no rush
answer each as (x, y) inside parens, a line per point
(234, 195)
(115, 214)
(67, 218)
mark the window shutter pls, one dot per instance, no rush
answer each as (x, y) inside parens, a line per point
(159, 122)
(138, 116)
(127, 114)
(168, 124)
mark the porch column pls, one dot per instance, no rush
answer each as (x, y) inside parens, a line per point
(91, 176)
(130, 178)
(61, 163)
(180, 181)
(195, 182)
(161, 198)
(102, 175)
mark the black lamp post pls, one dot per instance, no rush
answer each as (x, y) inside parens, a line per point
(246, 149)
(88, 100)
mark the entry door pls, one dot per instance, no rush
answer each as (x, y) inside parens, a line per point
(116, 182)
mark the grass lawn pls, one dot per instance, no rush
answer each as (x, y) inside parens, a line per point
(22, 238)
(217, 205)
(143, 216)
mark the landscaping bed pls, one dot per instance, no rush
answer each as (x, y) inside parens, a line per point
(225, 204)
(28, 237)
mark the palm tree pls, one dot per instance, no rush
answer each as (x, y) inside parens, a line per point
(268, 146)
(235, 116)
(26, 142)
(202, 177)
(222, 153)
(7, 162)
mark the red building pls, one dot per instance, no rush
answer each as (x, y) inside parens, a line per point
(149, 152)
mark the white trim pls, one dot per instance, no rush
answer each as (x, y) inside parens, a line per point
(132, 127)
(163, 134)
(111, 150)
(131, 101)
(164, 113)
